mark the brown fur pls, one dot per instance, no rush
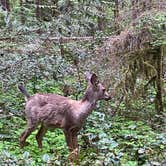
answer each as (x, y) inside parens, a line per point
(55, 111)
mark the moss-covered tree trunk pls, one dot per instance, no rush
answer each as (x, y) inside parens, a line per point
(159, 100)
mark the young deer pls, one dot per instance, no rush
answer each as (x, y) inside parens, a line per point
(55, 111)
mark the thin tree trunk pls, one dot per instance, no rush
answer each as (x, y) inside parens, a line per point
(101, 20)
(22, 17)
(38, 10)
(159, 101)
(116, 16)
(134, 6)
(62, 50)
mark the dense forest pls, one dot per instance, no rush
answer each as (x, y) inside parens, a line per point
(48, 46)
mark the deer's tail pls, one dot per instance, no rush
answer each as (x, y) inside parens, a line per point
(24, 91)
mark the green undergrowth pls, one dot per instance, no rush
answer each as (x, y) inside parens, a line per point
(114, 141)
(104, 140)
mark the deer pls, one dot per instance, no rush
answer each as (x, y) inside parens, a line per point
(56, 111)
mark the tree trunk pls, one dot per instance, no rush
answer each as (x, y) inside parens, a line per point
(134, 6)
(101, 20)
(159, 101)
(116, 16)
(38, 10)
(22, 17)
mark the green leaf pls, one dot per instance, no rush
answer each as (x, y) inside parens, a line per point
(132, 127)
(46, 158)
(26, 155)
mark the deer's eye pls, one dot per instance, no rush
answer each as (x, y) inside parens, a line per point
(103, 90)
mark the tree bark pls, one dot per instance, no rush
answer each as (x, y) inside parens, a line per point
(38, 10)
(101, 20)
(22, 17)
(159, 100)
(116, 16)
(134, 6)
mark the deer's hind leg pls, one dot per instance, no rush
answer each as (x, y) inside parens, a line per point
(40, 134)
(29, 129)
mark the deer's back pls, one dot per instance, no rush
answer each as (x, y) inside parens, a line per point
(49, 109)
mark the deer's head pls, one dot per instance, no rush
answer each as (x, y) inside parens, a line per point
(95, 90)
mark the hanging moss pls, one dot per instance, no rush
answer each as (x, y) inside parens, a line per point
(139, 49)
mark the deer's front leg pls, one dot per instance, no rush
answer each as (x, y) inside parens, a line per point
(72, 143)
(76, 148)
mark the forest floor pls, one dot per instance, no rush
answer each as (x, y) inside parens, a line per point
(104, 140)
(112, 141)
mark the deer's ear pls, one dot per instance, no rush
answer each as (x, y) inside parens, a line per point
(94, 79)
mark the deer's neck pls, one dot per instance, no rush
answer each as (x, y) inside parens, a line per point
(85, 109)
(89, 97)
